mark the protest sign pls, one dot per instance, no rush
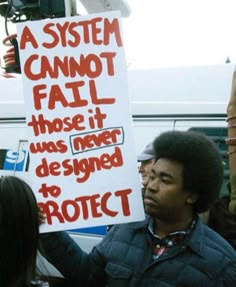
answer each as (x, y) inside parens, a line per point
(82, 157)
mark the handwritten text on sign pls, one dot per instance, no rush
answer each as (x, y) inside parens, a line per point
(79, 122)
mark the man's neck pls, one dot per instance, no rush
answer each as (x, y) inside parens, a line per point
(162, 229)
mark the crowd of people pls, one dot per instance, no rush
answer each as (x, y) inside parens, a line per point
(181, 174)
(172, 246)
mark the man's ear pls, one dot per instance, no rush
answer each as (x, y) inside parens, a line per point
(192, 198)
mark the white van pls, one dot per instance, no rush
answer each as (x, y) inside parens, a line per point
(161, 99)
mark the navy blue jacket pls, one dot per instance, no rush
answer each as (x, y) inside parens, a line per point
(124, 259)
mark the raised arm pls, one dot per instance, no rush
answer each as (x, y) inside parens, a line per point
(78, 267)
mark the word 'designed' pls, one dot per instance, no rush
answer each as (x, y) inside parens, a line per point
(80, 167)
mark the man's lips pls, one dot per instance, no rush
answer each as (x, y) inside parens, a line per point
(149, 200)
(143, 175)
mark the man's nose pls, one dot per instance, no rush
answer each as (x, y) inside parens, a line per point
(145, 181)
(151, 186)
(140, 168)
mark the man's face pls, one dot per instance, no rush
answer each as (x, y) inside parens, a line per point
(164, 196)
(144, 170)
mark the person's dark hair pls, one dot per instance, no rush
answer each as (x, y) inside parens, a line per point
(202, 163)
(222, 220)
(19, 230)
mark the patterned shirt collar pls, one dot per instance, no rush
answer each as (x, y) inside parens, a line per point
(160, 245)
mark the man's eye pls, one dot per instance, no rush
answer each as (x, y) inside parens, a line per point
(165, 180)
(151, 177)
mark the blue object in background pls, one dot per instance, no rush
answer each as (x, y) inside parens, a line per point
(14, 160)
(97, 230)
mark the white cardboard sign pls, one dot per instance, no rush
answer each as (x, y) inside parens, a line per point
(82, 160)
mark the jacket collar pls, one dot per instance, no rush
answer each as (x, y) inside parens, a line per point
(195, 240)
(142, 224)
